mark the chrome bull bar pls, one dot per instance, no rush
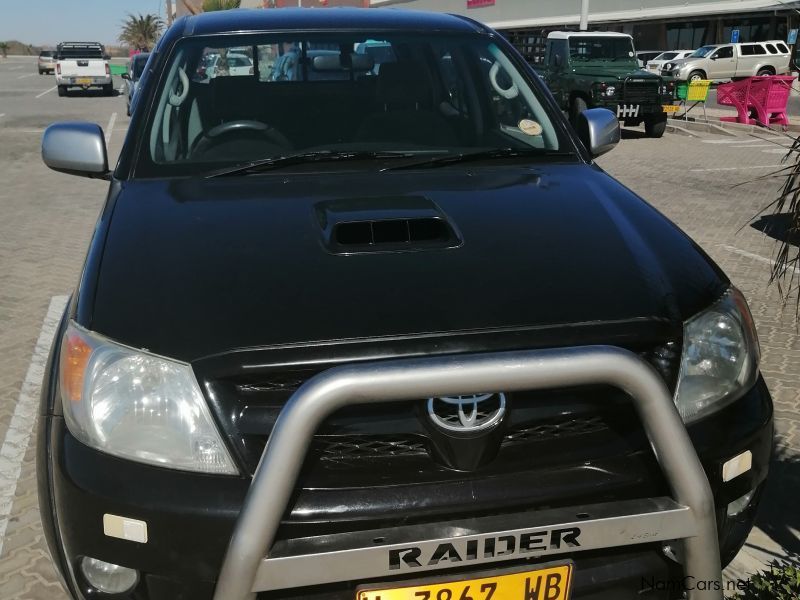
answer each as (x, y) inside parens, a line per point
(254, 563)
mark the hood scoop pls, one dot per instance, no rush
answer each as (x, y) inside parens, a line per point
(401, 224)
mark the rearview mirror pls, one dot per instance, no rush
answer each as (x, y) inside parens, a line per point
(77, 148)
(333, 62)
(598, 129)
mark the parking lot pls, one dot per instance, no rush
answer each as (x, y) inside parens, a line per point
(711, 186)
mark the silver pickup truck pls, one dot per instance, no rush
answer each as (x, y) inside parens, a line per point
(84, 65)
(729, 61)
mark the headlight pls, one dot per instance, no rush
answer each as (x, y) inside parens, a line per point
(138, 406)
(720, 357)
(668, 66)
(610, 91)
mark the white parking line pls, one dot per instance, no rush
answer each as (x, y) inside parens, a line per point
(15, 443)
(776, 146)
(762, 259)
(110, 128)
(2, 115)
(15, 68)
(737, 168)
(726, 141)
(47, 91)
(28, 75)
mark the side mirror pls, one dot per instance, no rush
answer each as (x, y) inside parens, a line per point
(77, 148)
(126, 75)
(715, 57)
(598, 129)
(558, 61)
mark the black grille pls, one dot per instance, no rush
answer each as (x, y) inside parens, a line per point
(641, 92)
(338, 448)
(555, 429)
(248, 405)
(350, 447)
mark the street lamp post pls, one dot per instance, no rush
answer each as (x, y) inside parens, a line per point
(584, 15)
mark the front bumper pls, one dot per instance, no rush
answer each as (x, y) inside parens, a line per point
(634, 109)
(191, 517)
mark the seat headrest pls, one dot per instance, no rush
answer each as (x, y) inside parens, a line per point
(403, 83)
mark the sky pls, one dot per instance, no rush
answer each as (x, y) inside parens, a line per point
(47, 22)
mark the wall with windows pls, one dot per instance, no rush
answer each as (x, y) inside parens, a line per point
(508, 14)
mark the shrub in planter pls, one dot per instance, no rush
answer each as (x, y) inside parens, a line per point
(781, 582)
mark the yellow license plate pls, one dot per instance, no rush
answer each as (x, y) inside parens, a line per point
(83, 81)
(669, 108)
(552, 583)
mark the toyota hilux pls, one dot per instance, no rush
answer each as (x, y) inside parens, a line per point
(387, 333)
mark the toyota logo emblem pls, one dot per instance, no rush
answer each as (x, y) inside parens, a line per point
(467, 414)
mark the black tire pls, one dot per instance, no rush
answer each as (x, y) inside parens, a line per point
(62, 90)
(129, 109)
(576, 108)
(765, 71)
(108, 90)
(41, 72)
(696, 76)
(655, 128)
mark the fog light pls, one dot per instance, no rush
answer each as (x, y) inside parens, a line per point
(108, 578)
(737, 507)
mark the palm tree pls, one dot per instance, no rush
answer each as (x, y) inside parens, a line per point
(4, 49)
(785, 228)
(141, 32)
(211, 5)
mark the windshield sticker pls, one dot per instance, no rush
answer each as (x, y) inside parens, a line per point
(530, 127)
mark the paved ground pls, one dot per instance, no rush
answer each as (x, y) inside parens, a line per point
(709, 186)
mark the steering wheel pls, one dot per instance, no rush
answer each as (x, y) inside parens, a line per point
(214, 136)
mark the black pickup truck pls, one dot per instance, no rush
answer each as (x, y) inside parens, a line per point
(385, 330)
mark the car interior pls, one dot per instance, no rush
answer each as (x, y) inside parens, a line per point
(320, 95)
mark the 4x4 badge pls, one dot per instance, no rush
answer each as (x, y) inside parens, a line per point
(465, 414)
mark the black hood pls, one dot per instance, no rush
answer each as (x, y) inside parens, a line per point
(196, 267)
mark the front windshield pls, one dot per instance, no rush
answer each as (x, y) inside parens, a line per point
(232, 100)
(702, 52)
(600, 48)
(666, 56)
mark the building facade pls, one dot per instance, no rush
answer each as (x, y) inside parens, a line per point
(304, 3)
(654, 24)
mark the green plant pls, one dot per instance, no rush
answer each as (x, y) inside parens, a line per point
(4, 49)
(141, 31)
(785, 228)
(781, 582)
(212, 5)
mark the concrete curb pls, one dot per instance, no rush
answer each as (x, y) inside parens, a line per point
(725, 128)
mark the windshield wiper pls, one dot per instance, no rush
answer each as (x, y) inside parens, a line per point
(277, 162)
(450, 159)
